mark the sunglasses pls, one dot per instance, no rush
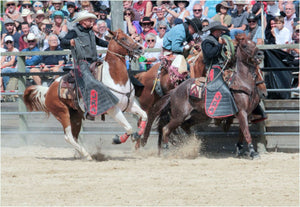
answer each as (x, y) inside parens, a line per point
(197, 10)
(162, 27)
(31, 41)
(38, 6)
(26, 5)
(165, 2)
(146, 24)
(10, 4)
(127, 14)
(152, 40)
(8, 42)
(251, 21)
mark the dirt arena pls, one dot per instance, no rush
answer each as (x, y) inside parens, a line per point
(43, 176)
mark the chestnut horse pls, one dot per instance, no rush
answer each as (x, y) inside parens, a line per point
(114, 76)
(183, 110)
(149, 97)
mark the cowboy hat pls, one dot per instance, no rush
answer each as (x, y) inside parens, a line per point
(240, 2)
(146, 20)
(196, 24)
(26, 12)
(105, 9)
(11, 1)
(251, 16)
(84, 15)
(186, 2)
(223, 3)
(214, 26)
(29, 37)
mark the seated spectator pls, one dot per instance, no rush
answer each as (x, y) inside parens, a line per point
(57, 5)
(131, 26)
(12, 31)
(102, 32)
(72, 15)
(222, 14)
(37, 6)
(59, 27)
(38, 18)
(52, 63)
(205, 23)
(151, 57)
(8, 63)
(27, 16)
(144, 7)
(86, 5)
(238, 19)
(290, 15)
(147, 26)
(42, 37)
(128, 5)
(25, 30)
(282, 34)
(254, 31)
(162, 29)
(12, 13)
(197, 13)
(180, 11)
(26, 5)
(32, 61)
(269, 31)
(46, 6)
(103, 15)
(160, 17)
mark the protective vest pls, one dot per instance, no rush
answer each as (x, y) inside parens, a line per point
(86, 49)
(212, 60)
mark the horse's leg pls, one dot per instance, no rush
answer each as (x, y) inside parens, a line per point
(118, 116)
(169, 128)
(239, 144)
(76, 122)
(243, 121)
(151, 118)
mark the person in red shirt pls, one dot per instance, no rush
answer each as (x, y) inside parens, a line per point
(144, 7)
(147, 26)
(25, 29)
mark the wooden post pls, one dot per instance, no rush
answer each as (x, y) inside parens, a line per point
(21, 88)
(117, 21)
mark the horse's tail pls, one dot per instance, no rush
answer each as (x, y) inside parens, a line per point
(34, 98)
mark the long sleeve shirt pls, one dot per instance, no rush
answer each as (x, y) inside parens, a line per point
(34, 59)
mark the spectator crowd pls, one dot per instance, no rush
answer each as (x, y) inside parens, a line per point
(40, 25)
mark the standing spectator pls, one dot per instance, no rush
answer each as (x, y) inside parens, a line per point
(9, 62)
(39, 18)
(238, 19)
(42, 38)
(147, 26)
(33, 60)
(27, 5)
(72, 15)
(131, 26)
(27, 16)
(290, 16)
(59, 27)
(282, 34)
(37, 6)
(151, 57)
(51, 62)
(180, 11)
(197, 12)
(12, 12)
(222, 14)
(128, 5)
(103, 13)
(86, 5)
(144, 7)
(162, 29)
(269, 31)
(254, 31)
(57, 5)
(46, 6)
(11, 30)
(25, 30)
(160, 17)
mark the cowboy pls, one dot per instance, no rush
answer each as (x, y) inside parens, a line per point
(82, 42)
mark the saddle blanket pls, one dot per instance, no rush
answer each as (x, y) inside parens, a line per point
(197, 87)
(219, 102)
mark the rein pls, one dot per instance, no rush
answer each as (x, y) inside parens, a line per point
(129, 47)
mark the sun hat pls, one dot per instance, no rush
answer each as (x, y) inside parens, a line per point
(8, 38)
(84, 15)
(146, 20)
(46, 21)
(186, 3)
(26, 3)
(214, 26)
(30, 36)
(39, 13)
(240, 2)
(26, 12)
(10, 1)
(56, 1)
(223, 3)
(195, 23)
(58, 13)
(9, 21)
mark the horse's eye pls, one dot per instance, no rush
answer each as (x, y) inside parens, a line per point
(123, 38)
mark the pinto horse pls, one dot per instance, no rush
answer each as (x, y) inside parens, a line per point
(114, 76)
(149, 97)
(181, 109)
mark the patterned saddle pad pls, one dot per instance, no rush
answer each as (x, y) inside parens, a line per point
(197, 88)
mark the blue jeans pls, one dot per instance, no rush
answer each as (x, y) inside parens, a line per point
(234, 32)
(6, 78)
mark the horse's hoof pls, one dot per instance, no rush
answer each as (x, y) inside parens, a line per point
(116, 140)
(166, 146)
(254, 155)
(135, 137)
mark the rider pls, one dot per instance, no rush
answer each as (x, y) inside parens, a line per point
(82, 42)
(212, 48)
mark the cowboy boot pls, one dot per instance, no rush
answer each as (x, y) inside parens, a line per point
(120, 139)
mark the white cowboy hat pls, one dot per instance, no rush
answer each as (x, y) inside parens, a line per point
(30, 36)
(11, 1)
(26, 12)
(84, 15)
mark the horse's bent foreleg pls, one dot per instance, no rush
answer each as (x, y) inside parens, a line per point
(168, 129)
(118, 116)
(136, 109)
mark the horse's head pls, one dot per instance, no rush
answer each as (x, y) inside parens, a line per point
(249, 53)
(123, 44)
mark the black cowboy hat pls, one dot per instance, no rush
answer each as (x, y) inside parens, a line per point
(195, 23)
(223, 3)
(146, 20)
(251, 16)
(215, 26)
(186, 2)
(104, 8)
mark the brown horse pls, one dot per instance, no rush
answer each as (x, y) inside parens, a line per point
(181, 109)
(149, 96)
(114, 76)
